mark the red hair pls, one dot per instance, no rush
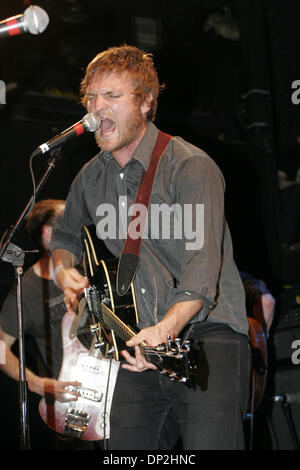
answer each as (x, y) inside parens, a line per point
(133, 61)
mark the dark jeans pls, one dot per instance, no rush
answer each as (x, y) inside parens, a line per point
(150, 412)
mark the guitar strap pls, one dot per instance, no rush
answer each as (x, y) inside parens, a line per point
(129, 259)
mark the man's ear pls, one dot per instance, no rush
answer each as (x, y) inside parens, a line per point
(46, 229)
(146, 105)
(46, 235)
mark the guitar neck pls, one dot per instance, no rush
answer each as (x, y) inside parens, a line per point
(172, 361)
(114, 323)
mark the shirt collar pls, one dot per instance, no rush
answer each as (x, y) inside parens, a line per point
(144, 149)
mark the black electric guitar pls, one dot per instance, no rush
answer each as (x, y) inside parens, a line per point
(115, 318)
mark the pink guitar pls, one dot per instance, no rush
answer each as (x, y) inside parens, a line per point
(87, 418)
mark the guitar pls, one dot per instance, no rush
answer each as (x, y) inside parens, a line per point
(87, 418)
(258, 373)
(116, 316)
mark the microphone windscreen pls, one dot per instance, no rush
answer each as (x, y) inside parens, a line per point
(92, 122)
(36, 19)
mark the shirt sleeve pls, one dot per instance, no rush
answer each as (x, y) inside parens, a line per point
(67, 233)
(199, 189)
(9, 313)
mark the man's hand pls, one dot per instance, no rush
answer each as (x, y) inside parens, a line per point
(67, 278)
(151, 336)
(46, 387)
(169, 327)
(72, 283)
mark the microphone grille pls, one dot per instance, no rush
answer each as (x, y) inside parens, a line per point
(36, 19)
(92, 122)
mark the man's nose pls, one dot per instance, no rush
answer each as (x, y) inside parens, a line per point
(98, 104)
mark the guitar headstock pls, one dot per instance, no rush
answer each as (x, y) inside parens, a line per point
(174, 359)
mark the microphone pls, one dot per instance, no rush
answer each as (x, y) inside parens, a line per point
(34, 20)
(287, 397)
(89, 123)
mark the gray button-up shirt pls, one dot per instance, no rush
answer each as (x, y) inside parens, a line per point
(186, 251)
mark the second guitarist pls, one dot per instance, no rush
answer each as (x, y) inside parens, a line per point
(43, 312)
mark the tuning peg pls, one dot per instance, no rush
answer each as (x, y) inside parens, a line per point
(95, 327)
(187, 345)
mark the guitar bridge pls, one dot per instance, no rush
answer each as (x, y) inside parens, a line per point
(76, 422)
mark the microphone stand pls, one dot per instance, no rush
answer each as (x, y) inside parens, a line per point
(287, 411)
(14, 255)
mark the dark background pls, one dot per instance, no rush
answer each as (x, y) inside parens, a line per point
(228, 67)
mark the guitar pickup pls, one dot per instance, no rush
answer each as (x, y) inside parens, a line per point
(87, 393)
(76, 422)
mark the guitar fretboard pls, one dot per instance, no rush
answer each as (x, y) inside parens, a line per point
(114, 323)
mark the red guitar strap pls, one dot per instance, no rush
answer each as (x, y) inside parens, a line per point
(129, 259)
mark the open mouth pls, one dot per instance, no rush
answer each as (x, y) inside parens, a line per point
(107, 126)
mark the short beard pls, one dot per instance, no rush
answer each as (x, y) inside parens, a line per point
(133, 125)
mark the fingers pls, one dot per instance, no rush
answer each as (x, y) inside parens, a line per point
(136, 363)
(70, 300)
(150, 336)
(80, 282)
(67, 396)
(75, 384)
(59, 389)
(63, 393)
(71, 278)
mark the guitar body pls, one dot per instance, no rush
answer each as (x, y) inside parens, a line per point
(87, 418)
(123, 307)
(258, 373)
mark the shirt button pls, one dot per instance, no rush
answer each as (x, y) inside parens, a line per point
(121, 175)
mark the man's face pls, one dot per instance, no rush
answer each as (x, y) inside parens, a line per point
(123, 121)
